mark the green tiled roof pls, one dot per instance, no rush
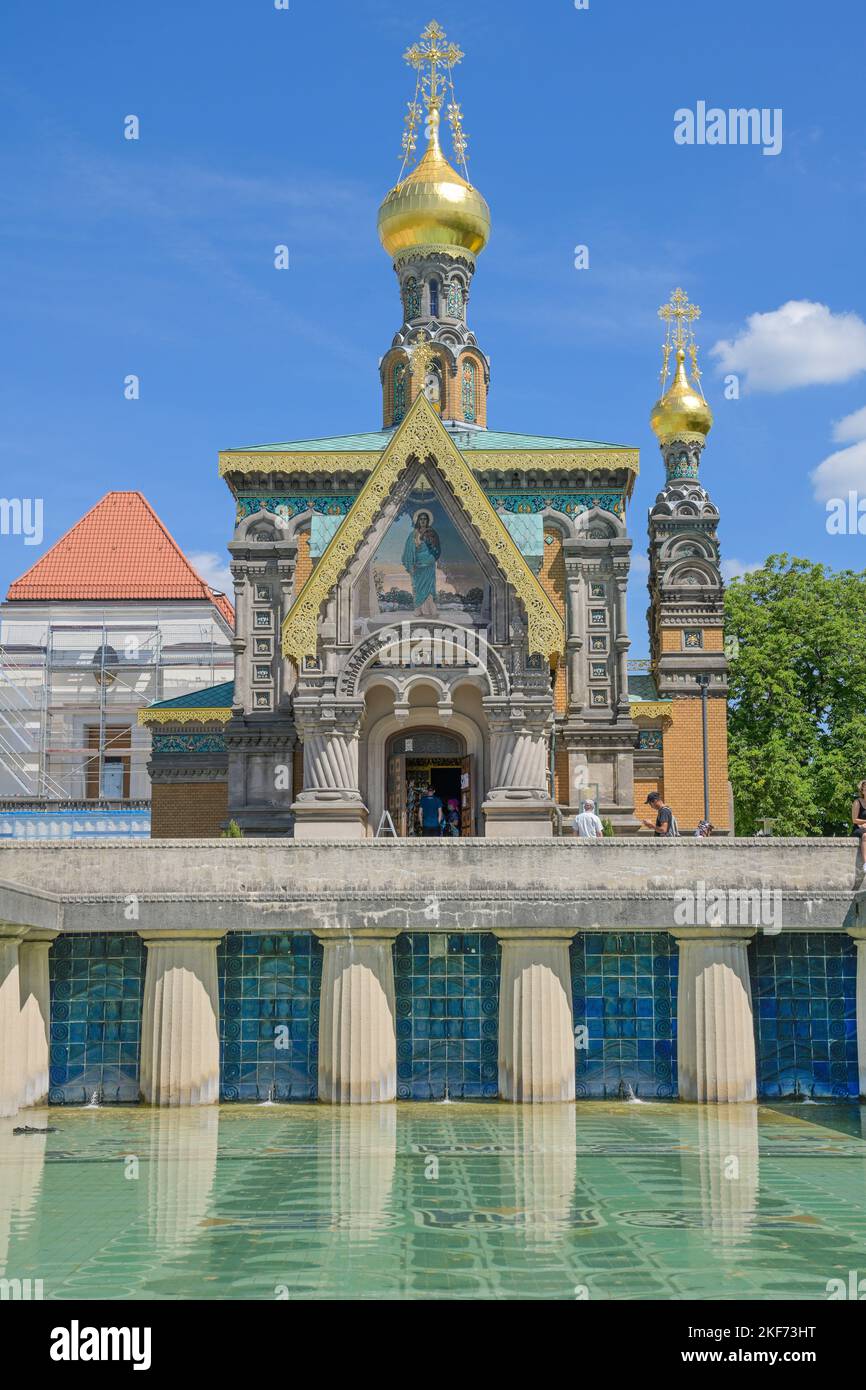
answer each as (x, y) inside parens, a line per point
(213, 697)
(466, 440)
(642, 687)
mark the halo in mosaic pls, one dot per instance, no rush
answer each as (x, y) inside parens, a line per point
(624, 988)
(447, 991)
(269, 1015)
(97, 987)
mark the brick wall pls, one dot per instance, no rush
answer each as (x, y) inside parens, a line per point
(683, 763)
(188, 810)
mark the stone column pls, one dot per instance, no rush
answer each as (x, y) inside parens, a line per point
(330, 807)
(11, 1028)
(35, 1011)
(536, 1021)
(357, 1034)
(859, 936)
(519, 803)
(180, 1055)
(715, 1028)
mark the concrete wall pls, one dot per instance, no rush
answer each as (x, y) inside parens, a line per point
(479, 885)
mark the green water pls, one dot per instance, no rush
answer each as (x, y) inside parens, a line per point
(435, 1201)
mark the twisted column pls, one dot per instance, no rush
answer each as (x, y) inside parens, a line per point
(11, 1029)
(180, 1055)
(536, 1022)
(330, 805)
(35, 1012)
(715, 1027)
(357, 1035)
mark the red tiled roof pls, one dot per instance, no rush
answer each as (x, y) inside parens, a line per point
(118, 550)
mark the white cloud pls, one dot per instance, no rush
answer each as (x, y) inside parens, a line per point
(841, 473)
(736, 569)
(799, 344)
(851, 429)
(845, 470)
(213, 569)
(639, 562)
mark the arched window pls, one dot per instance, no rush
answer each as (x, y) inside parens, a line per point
(455, 300)
(469, 391)
(412, 294)
(434, 299)
(399, 392)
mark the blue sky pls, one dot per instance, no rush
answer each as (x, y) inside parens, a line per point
(262, 126)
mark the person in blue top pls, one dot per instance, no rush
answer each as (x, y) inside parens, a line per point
(431, 813)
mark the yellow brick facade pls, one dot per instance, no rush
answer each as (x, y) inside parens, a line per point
(188, 810)
(683, 763)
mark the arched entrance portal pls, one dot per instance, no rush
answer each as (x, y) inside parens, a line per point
(435, 758)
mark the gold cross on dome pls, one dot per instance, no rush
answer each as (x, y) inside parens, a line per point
(679, 315)
(434, 49)
(433, 59)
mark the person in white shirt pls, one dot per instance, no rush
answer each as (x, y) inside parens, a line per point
(587, 824)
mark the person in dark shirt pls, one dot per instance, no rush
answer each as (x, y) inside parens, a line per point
(664, 815)
(431, 813)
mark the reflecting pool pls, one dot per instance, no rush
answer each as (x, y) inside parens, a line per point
(598, 1200)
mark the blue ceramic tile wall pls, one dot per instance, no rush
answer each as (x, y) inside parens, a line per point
(624, 988)
(97, 984)
(269, 996)
(803, 990)
(447, 989)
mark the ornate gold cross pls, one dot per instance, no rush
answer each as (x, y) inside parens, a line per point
(679, 315)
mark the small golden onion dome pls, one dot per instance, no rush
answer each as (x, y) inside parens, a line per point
(434, 207)
(682, 412)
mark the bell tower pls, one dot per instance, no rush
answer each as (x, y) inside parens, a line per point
(433, 223)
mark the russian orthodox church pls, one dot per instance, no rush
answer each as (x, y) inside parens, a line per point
(440, 604)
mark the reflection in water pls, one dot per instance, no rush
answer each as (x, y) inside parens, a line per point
(357, 1149)
(181, 1170)
(543, 1169)
(22, 1159)
(728, 1147)
(459, 1201)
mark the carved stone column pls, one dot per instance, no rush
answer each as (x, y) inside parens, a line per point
(11, 1029)
(519, 802)
(357, 1032)
(330, 807)
(715, 1027)
(35, 1012)
(536, 1021)
(180, 1054)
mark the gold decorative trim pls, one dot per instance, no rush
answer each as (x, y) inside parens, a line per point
(650, 709)
(421, 436)
(207, 714)
(480, 461)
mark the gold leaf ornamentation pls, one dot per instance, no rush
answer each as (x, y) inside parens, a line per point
(421, 437)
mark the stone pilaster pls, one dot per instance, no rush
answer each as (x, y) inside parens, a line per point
(35, 1012)
(357, 1033)
(11, 1029)
(859, 936)
(715, 1027)
(331, 806)
(180, 1058)
(536, 1021)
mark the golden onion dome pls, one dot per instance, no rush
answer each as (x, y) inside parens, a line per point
(435, 208)
(682, 412)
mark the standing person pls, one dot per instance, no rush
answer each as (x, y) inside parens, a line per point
(587, 824)
(431, 814)
(452, 819)
(665, 822)
(858, 817)
(704, 830)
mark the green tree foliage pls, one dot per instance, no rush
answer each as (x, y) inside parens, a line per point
(796, 634)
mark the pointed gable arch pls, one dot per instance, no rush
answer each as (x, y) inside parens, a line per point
(421, 437)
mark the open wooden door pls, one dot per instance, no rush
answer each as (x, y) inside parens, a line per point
(397, 793)
(466, 826)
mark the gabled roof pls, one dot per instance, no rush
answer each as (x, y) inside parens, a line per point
(374, 441)
(421, 436)
(118, 550)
